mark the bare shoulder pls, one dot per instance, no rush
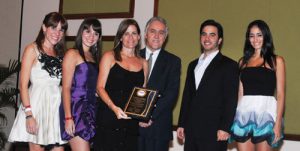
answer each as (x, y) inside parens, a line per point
(30, 49)
(110, 55)
(72, 53)
(240, 61)
(143, 60)
(280, 60)
(72, 56)
(30, 54)
(108, 58)
(280, 65)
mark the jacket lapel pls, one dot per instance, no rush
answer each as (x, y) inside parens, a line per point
(158, 67)
(192, 74)
(210, 68)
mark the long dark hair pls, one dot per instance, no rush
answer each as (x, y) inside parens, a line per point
(52, 20)
(267, 50)
(121, 30)
(95, 49)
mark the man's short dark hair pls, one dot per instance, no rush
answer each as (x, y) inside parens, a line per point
(211, 22)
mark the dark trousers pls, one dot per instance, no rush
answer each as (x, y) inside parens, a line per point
(148, 144)
(192, 144)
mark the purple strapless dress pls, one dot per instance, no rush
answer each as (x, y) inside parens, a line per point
(83, 102)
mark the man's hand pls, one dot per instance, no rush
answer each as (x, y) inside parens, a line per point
(143, 124)
(180, 133)
(222, 135)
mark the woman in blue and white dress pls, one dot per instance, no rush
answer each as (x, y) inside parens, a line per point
(258, 120)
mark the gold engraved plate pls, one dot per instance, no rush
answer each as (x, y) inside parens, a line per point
(140, 103)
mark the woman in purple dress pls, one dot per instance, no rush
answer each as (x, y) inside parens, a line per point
(80, 72)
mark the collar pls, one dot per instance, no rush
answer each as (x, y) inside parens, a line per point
(148, 52)
(209, 57)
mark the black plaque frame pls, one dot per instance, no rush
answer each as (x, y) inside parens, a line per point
(141, 103)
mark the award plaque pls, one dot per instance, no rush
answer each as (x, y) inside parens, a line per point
(140, 103)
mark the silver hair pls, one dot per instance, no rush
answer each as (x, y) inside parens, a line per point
(160, 19)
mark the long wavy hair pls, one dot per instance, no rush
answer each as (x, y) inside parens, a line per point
(96, 48)
(52, 20)
(118, 43)
(267, 50)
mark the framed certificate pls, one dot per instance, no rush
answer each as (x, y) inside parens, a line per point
(141, 103)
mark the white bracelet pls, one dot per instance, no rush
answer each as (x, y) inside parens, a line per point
(27, 109)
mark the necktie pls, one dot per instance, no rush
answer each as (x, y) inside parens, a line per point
(150, 64)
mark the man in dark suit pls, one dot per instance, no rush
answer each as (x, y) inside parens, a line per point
(210, 95)
(164, 75)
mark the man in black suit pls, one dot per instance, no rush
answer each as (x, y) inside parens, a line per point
(164, 75)
(210, 95)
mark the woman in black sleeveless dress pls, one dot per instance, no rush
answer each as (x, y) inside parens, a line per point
(120, 70)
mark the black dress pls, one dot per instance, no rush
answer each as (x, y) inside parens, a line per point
(114, 134)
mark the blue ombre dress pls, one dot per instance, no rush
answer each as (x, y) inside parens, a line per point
(83, 102)
(256, 111)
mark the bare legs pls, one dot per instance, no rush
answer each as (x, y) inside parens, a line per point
(246, 146)
(79, 144)
(36, 147)
(58, 148)
(249, 146)
(263, 146)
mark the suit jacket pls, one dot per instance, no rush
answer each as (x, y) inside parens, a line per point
(165, 77)
(212, 106)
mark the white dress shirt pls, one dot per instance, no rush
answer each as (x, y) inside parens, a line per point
(154, 57)
(203, 62)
